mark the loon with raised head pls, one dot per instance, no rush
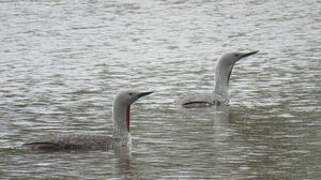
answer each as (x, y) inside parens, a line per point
(120, 136)
(220, 94)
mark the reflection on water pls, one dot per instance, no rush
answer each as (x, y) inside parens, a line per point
(62, 62)
(45, 163)
(124, 168)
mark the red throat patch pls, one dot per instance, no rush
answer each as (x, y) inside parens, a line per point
(128, 118)
(229, 75)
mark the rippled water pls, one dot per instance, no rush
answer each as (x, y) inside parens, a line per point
(62, 61)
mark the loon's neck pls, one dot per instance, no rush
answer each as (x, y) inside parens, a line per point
(121, 123)
(222, 78)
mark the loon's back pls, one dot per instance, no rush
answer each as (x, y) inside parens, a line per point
(70, 142)
(199, 100)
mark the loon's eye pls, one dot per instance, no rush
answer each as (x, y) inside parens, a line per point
(236, 55)
(130, 94)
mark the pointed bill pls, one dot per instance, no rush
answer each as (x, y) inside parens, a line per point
(248, 54)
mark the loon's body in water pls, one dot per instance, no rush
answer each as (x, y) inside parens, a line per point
(120, 136)
(220, 94)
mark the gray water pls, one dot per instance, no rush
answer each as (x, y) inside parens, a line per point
(61, 62)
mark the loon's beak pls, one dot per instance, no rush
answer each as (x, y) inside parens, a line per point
(144, 94)
(248, 54)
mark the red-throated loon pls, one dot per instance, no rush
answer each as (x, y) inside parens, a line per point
(120, 136)
(220, 95)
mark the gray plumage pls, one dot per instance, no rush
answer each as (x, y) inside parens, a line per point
(189, 100)
(70, 142)
(220, 93)
(121, 130)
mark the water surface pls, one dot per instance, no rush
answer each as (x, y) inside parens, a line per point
(62, 62)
